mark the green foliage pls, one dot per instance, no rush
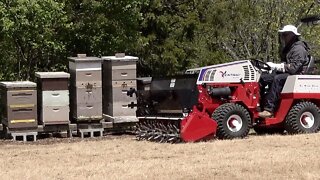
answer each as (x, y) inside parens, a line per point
(168, 36)
(249, 29)
(30, 37)
(168, 32)
(102, 27)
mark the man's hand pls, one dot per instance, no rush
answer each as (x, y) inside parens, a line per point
(272, 65)
(277, 67)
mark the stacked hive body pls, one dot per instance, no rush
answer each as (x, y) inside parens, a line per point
(86, 88)
(19, 105)
(119, 76)
(53, 98)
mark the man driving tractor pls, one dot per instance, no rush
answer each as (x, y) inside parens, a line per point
(294, 59)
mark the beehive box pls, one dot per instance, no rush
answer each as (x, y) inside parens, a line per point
(119, 76)
(85, 88)
(53, 97)
(116, 101)
(119, 67)
(19, 104)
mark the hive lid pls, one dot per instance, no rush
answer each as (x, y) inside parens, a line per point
(15, 84)
(84, 58)
(48, 75)
(120, 57)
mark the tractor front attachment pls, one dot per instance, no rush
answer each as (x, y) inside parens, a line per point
(195, 127)
(161, 105)
(158, 129)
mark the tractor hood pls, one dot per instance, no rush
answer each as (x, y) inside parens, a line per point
(233, 72)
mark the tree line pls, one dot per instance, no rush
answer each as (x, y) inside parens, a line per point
(169, 36)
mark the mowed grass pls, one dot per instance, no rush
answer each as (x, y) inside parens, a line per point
(256, 157)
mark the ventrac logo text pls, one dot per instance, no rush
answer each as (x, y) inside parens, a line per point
(225, 74)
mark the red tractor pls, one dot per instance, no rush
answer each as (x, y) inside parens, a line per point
(229, 102)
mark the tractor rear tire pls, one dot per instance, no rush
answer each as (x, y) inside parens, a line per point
(233, 121)
(303, 118)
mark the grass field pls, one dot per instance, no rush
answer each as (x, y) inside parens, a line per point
(121, 157)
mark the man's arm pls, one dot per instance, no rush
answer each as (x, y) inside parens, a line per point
(297, 58)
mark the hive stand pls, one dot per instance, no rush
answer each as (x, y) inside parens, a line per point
(24, 133)
(58, 128)
(90, 128)
(93, 128)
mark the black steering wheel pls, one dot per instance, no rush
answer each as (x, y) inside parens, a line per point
(260, 65)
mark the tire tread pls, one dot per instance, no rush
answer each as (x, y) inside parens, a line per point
(293, 120)
(220, 116)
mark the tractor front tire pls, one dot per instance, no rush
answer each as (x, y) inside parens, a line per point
(233, 121)
(303, 118)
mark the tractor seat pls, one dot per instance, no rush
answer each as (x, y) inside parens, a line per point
(310, 67)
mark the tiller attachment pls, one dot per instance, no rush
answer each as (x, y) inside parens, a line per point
(163, 131)
(197, 126)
